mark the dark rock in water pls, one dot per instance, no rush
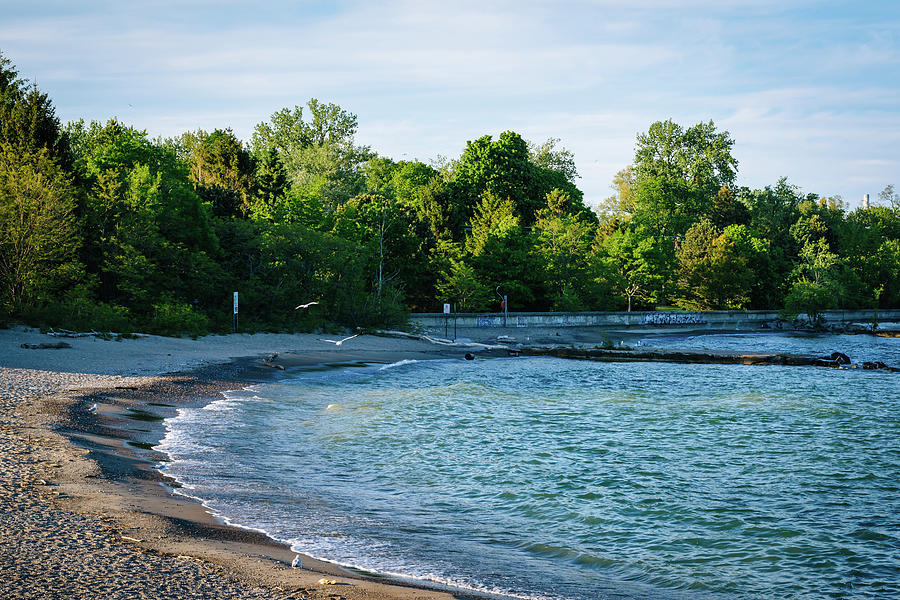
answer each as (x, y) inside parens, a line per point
(880, 365)
(470, 356)
(840, 358)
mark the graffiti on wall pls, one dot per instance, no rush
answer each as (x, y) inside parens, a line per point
(483, 321)
(673, 318)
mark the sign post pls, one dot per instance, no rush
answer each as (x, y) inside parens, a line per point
(235, 312)
(446, 319)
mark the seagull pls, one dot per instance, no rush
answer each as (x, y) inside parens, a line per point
(297, 563)
(307, 305)
(339, 342)
(93, 409)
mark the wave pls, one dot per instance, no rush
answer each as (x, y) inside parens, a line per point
(400, 363)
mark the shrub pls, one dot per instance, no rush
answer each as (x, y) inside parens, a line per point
(79, 310)
(175, 319)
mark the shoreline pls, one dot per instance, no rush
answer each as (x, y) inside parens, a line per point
(85, 510)
(89, 475)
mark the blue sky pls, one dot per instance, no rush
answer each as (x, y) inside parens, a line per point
(808, 90)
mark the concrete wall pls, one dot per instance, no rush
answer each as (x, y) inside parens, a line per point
(712, 319)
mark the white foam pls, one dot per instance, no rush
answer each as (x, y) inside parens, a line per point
(398, 364)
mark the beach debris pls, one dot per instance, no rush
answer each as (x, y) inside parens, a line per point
(297, 563)
(324, 581)
(307, 305)
(273, 365)
(338, 343)
(107, 335)
(46, 346)
(130, 539)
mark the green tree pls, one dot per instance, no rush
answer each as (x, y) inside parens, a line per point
(712, 274)
(460, 284)
(501, 252)
(27, 118)
(631, 263)
(562, 244)
(318, 152)
(38, 241)
(549, 156)
(504, 168)
(888, 197)
(699, 155)
(221, 170)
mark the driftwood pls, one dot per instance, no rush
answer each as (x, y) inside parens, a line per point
(835, 360)
(73, 334)
(80, 334)
(44, 346)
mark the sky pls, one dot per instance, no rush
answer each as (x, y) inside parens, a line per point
(808, 90)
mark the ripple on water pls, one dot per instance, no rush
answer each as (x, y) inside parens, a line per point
(573, 480)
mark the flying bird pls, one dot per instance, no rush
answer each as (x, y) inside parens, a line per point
(339, 342)
(307, 305)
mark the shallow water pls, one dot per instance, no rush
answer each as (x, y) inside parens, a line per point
(563, 479)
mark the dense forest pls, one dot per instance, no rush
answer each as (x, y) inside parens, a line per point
(102, 227)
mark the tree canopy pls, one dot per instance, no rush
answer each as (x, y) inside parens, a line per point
(102, 226)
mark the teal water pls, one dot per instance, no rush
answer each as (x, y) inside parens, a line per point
(562, 479)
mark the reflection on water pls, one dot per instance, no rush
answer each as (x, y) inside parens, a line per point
(565, 479)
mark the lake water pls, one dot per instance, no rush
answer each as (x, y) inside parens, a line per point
(547, 478)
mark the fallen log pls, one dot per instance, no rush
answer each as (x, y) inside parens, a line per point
(56, 346)
(836, 360)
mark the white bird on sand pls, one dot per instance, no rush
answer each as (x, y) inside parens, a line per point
(297, 563)
(339, 342)
(307, 305)
(93, 409)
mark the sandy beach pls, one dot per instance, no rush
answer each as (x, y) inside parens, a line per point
(84, 514)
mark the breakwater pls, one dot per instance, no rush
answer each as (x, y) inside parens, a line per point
(740, 320)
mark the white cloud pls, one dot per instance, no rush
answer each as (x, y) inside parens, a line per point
(812, 98)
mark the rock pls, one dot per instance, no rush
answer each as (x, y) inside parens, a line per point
(840, 358)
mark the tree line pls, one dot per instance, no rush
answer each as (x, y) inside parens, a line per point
(103, 227)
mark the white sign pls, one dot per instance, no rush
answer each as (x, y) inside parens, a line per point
(235, 303)
(446, 309)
